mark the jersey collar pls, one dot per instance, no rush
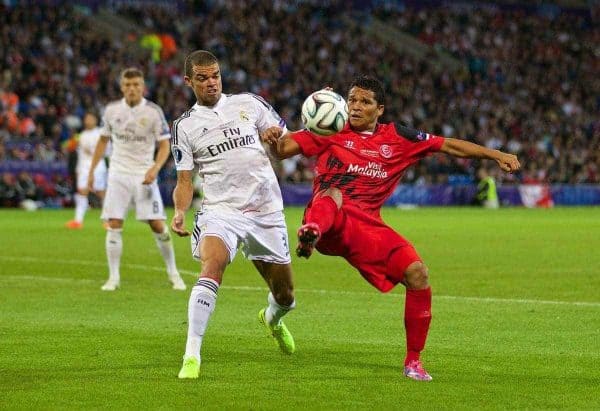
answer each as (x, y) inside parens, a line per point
(222, 101)
(142, 103)
(364, 134)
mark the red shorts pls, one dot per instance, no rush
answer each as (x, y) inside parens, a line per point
(380, 254)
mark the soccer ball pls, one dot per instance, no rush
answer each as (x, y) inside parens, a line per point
(324, 112)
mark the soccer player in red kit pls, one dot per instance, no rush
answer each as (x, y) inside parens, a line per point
(357, 169)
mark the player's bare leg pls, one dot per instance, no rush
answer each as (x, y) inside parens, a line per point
(114, 249)
(281, 301)
(417, 317)
(319, 218)
(165, 246)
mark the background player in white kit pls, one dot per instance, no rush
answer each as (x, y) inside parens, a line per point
(88, 138)
(242, 203)
(135, 126)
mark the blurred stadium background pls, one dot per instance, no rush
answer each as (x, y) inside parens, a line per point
(520, 76)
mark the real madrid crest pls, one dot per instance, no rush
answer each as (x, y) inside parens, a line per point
(244, 116)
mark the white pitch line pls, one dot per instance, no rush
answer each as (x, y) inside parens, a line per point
(264, 289)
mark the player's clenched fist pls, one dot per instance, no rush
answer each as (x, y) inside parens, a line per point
(509, 162)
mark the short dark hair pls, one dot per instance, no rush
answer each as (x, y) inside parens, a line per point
(201, 58)
(131, 72)
(370, 83)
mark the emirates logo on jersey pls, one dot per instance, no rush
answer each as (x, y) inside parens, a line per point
(385, 151)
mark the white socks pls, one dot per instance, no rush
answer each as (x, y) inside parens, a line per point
(165, 245)
(114, 249)
(200, 307)
(81, 206)
(275, 311)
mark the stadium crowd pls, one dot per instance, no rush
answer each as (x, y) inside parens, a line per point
(529, 86)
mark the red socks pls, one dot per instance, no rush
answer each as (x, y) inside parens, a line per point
(417, 316)
(322, 212)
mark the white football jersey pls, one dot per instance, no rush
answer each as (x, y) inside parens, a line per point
(134, 132)
(85, 150)
(224, 142)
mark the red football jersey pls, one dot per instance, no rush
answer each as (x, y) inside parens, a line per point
(365, 167)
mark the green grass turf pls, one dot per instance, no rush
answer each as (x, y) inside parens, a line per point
(516, 320)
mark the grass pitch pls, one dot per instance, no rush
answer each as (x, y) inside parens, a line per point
(516, 320)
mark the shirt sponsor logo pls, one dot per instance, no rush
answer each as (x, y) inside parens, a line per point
(372, 169)
(385, 151)
(127, 138)
(234, 140)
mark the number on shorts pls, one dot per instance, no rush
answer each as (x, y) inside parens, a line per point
(155, 206)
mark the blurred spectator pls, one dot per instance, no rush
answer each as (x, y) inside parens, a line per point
(168, 46)
(26, 189)
(152, 42)
(9, 196)
(487, 195)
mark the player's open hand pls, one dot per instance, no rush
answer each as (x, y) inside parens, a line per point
(508, 162)
(178, 225)
(271, 135)
(150, 176)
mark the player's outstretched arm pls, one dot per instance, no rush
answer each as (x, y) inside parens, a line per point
(282, 145)
(182, 199)
(164, 150)
(460, 148)
(98, 155)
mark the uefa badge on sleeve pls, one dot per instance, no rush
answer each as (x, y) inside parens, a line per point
(177, 153)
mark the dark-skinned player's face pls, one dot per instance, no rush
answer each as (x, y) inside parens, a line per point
(363, 109)
(206, 83)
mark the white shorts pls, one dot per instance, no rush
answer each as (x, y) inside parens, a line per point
(125, 190)
(100, 176)
(263, 237)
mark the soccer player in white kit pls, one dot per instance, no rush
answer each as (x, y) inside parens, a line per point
(135, 126)
(88, 139)
(242, 204)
